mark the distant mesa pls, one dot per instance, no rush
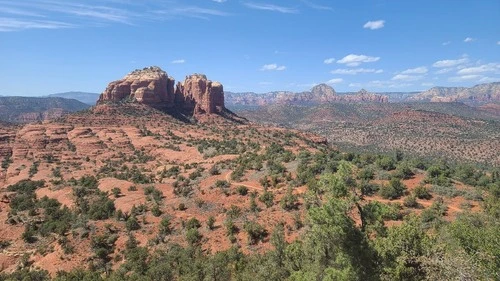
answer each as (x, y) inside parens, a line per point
(153, 87)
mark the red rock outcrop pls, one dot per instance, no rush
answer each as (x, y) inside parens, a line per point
(153, 87)
(199, 94)
(150, 86)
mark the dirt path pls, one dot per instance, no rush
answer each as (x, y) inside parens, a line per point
(421, 202)
(228, 179)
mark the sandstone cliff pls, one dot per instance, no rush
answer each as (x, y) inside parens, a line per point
(153, 87)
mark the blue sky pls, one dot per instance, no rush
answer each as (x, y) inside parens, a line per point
(49, 46)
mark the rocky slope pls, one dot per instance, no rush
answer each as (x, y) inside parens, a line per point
(153, 87)
(34, 109)
(318, 94)
(480, 93)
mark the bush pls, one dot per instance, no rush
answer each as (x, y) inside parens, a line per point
(193, 223)
(103, 208)
(421, 192)
(242, 190)
(156, 211)
(132, 224)
(447, 191)
(193, 236)
(410, 201)
(255, 231)
(222, 184)
(289, 201)
(211, 223)
(393, 190)
(267, 198)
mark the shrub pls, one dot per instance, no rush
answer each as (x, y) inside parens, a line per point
(242, 190)
(255, 231)
(193, 223)
(421, 192)
(410, 201)
(211, 223)
(193, 236)
(267, 198)
(132, 224)
(289, 201)
(447, 191)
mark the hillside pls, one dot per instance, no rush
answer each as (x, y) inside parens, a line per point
(87, 98)
(158, 182)
(451, 130)
(33, 109)
(489, 92)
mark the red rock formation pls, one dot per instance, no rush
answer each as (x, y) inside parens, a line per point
(200, 95)
(152, 86)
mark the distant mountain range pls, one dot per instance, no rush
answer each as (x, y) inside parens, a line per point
(483, 93)
(319, 94)
(32, 109)
(88, 98)
(489, 92)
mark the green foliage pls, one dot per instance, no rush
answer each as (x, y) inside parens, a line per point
(393, 190)
(267, 198)
(401, 250)
(255, 231)
(193, 236)
(132, 224)
(289, 201)
(211, 223)
(242, 190)
(421, 192)
(410, 201)
(193, 223)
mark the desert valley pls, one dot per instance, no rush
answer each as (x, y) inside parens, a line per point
(154, 173)
(249, 140)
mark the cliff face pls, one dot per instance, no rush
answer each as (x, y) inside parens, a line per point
(152, 86)
(200, 95)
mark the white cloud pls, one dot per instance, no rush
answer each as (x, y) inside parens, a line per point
(271, 7)
(498, 43)
(450, 63)
(374, 24)
(179, 61)
(219, 1)
(355, 85)
(469, 39)
(479, 69)
(265, 83)
(273, 66)
(355, 71)
(355, 60)
(8, 24)
(417, 70)
(427, 84)
(316, 6)
(335, 81)
(446, 43)
(444, 70)
(464, 78)
(489, 79)
(405, 77)
(329, 61)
